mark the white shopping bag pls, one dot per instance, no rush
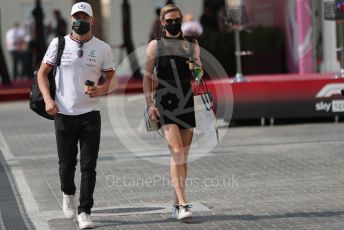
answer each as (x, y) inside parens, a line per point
(206, 133)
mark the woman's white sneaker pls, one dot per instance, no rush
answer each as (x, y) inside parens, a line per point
(85, 221)
(184, 212)
(68, 206)
(175, 211)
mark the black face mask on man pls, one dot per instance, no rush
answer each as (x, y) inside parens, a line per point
(81, 27)
(174, 28)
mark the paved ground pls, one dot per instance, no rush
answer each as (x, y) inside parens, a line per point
(282, 177)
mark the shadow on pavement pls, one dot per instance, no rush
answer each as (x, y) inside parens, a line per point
(214, 218)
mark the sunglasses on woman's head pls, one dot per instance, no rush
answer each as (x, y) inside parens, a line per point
(169, 21)
(80, 52)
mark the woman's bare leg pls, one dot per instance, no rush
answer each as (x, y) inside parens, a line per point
(186, 135)
(175, 144)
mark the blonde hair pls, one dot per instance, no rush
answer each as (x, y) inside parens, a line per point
(168, 9)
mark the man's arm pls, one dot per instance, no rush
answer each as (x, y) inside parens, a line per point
(43, 84)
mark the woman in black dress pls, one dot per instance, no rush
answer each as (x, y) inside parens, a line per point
(173, 105)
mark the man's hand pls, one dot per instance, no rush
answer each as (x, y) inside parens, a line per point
(95, 91)
(51, 107)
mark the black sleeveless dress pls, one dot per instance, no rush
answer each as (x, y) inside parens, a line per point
(174, 95)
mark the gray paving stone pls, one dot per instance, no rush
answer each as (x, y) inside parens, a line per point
(282, 177)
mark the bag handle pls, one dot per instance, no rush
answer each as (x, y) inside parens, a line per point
(203, 91)
(201, 88)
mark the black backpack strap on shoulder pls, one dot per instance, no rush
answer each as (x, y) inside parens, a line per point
(60, 48)
(61, 45)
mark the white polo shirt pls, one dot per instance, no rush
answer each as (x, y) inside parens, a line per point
(74, 71)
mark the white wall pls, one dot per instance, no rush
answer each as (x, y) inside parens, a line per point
(143, 14)
(142, 17)
(18, 10)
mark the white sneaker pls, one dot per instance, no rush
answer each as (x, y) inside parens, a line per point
(68, 206)
(85, 221)
(184, 212)
(175, 211)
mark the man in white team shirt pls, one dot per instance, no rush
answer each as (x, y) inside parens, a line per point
(77, 116)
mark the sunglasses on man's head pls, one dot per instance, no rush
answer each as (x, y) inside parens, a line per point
(170, 21)
(80, 52)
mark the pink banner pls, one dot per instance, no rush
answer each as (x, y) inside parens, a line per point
(305, 34)
(299, 31)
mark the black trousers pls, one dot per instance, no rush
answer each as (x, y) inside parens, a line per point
(85, 130)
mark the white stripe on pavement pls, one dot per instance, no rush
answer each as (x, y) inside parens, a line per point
(2, 225)
(31, 207)
(5, 149)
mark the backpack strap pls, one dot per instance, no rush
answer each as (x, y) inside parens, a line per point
(61, 45)
(60, 48)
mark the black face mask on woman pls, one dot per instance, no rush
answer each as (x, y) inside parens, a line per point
(174, 28)
(81, 27)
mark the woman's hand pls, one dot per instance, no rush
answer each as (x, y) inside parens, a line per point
(153, 112)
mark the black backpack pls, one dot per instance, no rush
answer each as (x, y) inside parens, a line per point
(37, 103)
